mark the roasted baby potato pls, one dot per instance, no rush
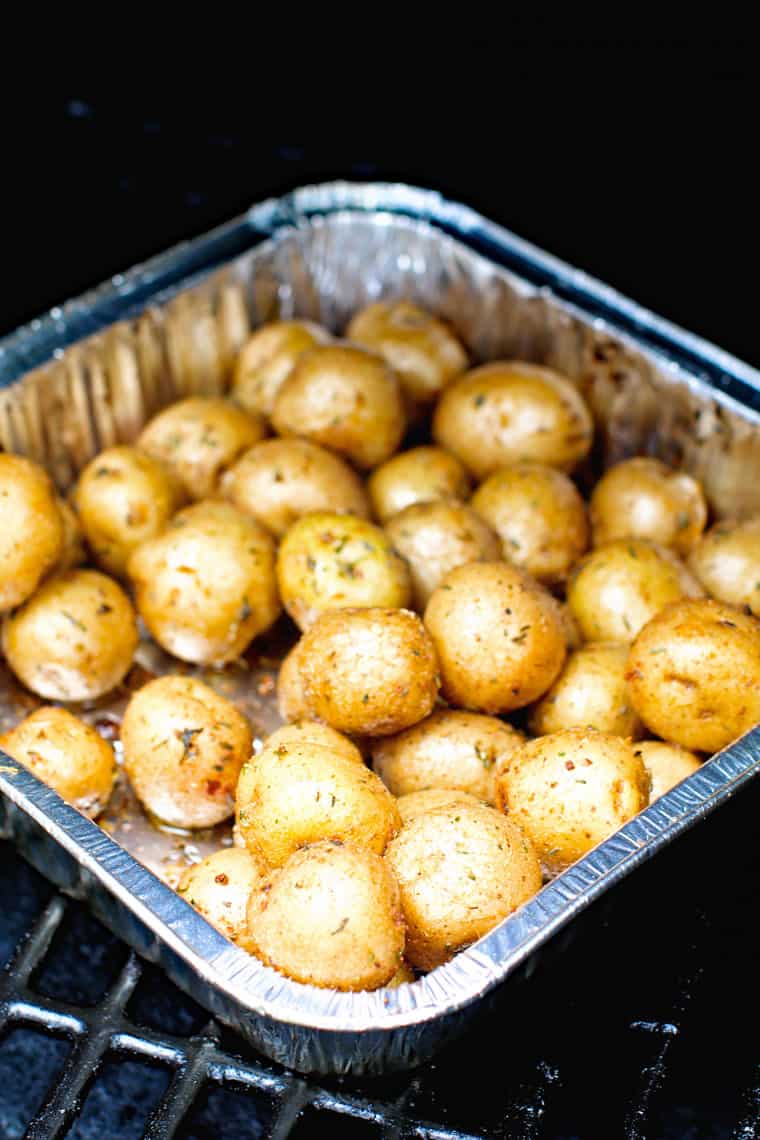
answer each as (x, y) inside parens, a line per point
(421, 475)
(73, 553)
(267, 358)
(726, 562)
(312, 732)
(32, 536)
(590, 692)
(220, 886)
(291, 702)
(667, 765)
(644, 498)
(419, 803)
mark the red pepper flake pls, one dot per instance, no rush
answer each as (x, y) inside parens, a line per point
(213, 787)
(266, 685)
(222, 878)
(569, 765)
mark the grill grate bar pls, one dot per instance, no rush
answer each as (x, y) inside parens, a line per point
(293, 1103)
(33, 949)
(183, 1090)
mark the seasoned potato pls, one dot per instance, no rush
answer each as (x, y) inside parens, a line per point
(198, 439)
(291, 702)
(420, 803)
(461, 870)
(368, 672)
(435, 538)
(694, 674)
(266, 359)
(420, 475)
(312, 732)
(184, 746)
(328, 562)
(727, 563)
(403, 976)
(570, 790)
(32, 535)
(570, 627)
(66, 753)
(644, 498)
(330, 917)
(509, 411)
(278, 481)
(73, 553)
(74, 639)
(498, 636)
(591, 691)
(343, 398)
(539, 516)
(220, 886)
(205, 586)
(667, 765)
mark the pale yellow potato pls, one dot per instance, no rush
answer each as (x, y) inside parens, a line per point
(539, 516)
(32, 535)
(570, 790)
(330, 917)
(726, 561)
(344, 398)
(590, 692)
(184, 746)
(436, 537)
(570, 627)
(420, 803)
(198, 439)
(74, 639)
(510, 411)
(328, 561)
(461, 869)
(267, 357)
(694, 674)
(220, 886)
(205, 586)
(291, 702)
(420, 475)
(73, 553)
(644, 498)
(312, 732)
(667, 765)
(498, 636)
(69, 755)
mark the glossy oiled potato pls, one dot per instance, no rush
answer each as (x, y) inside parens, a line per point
(498, 636)
(644, 498)
(330, 917)
(461, 870)
(184, 746)
(511, 411)
(32, 536)
(278, 481)
(667, 765)
(266, 359)
(312, 732)
(328, 561)
(570, 790)
(346, 399)
(694, 674)
(220, 886)
(539, 516)
(727, 563)
(368, 672)
(291, 702)
(74, 639)
(66, 753)
(420, 803)
(420, 475)
(591, 691)
(205, 586)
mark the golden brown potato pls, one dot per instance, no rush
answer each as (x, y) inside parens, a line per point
(404, 975)
(329, 562)
(694, 674)
(312, 732)
(460, 871)
(266, 359)
(590, 692)
(570, 627)
(220, 886)
(570, 790)
(330, 917)
(198, 439)
(539, 516)
(73, 553)
(343, 398)
(32, 526)
(727, 563)
(435, 538)
(184, 746)
(510, 411)
(74, 639)
(291, 702)
(667, 765)
(278, 481)
(66, 753)
(421, 475)
(205, 586)
(420, 803)
(368, 672)
(498, 636)
(644, 498)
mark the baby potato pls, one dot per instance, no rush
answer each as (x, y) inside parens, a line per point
(539, 516)
(73, 553)
(498, 636)
(219, 887)
(510, 411)
(123, 497)
(449, 749)
(570, 790)
(291, 702)
(205, 586)
(570, 627)
(591, 691)
(420, 475)
(198, 439)
(694, 674)
(266, 359)
(312, 732)
(32, 537)
(644, 498)
(278, 481)
(330, 917)
(368, 672)
(343, 398)
(404, 975)
(461, 869)
(667, 765)
(74, 639)
(184, 746)
(420, 803)
(328, 562)
(67, 754)
(436, 537)
(726, 561)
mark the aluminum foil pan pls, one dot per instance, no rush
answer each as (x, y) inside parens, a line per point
(90, 373)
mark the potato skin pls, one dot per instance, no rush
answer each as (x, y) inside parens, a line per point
(66, 753)
(591, 691)
(510, 411)
(667, 765)
(498, 636)
(460, 871)
(33, 530)
(570, 790)
(313, 732)
(429, 799)
(74, 639)
(694, 674)
(219, 887)
(726, 561)
(420, 475)
(184, 746)
(644, 498)
(291, 702)
(267, 358)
